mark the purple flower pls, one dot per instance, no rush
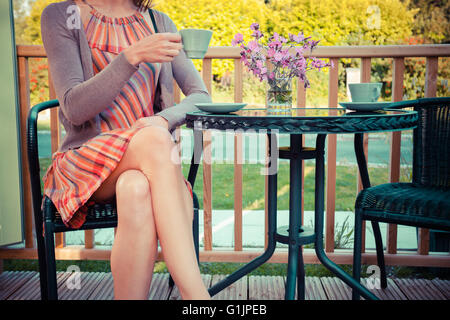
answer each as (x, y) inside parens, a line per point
(278, 52)
(254, 26)
(278, 56)
(253, 46)
(238, 38)
(297, 38)
(257, 34)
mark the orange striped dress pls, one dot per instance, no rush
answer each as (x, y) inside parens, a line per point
(76, 174)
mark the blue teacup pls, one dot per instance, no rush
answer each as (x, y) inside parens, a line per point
(195, 42)
(365, 92)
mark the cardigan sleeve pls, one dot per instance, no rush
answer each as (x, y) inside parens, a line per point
(189, 81)
(80, 99)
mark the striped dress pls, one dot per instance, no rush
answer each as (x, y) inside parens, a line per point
(76, 174)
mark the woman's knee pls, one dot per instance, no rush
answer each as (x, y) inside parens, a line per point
(153, 143)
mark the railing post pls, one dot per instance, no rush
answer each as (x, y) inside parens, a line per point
(333, 86)
(24, 98)
(396, 139)
(430, 91)
(301, 103)
(238, 160)
(207, 170)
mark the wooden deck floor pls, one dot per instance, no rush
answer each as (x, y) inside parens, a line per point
(16, 285)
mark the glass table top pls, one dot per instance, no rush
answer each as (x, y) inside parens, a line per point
(250, 111)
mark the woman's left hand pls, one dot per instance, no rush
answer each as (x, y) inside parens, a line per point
(151, 121)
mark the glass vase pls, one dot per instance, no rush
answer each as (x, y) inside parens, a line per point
(279, 97)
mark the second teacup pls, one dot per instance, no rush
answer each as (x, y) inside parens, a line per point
(365, 92)
(196, 42)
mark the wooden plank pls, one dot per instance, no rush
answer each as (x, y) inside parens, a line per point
(207, 170)
(432, 68)
(430, 289)
(392, 292)
(207, 191)
(443, 286)
(10, 281)
(387, 51)
(104, 290)
(430, 92)
(266, 288)
(236, 291)
(88, 282)
(238, 160)
(24, 103)
(420, 289)
(336, 289)
(159, 289)
(29, 290)
(424, 241)
(175, 294)
(341, 256)
(314, 289)
(238, 80)
(89, 239)
(301, 103)
(333, 86)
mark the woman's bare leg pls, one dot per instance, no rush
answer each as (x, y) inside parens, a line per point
(149, 152)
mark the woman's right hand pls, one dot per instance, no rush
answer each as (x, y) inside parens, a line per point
(158, 47)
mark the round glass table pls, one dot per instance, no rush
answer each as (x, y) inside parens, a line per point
(296, 122)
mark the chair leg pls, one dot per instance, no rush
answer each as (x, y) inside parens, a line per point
(51, 261)
(41, 258)
(380, 253)
(357, 253)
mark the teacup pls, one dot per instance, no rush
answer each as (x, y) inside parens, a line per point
(195, 42)
(365, 92)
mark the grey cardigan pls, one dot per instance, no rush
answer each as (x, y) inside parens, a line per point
(83, 95)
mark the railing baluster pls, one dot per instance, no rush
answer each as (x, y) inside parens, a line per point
(430, 91)
(396, 139)
(24, 96)
(333, 86)
(207, 170)
(301, 103)
(238, 160)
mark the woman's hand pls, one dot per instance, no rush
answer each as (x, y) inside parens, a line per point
(158, 47)
(151, 121)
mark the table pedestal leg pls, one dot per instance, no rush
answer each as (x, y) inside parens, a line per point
(319, 217)
(295, 258)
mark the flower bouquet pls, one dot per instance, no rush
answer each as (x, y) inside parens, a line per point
(286, 55)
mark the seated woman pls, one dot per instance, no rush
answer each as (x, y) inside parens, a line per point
(113, 76)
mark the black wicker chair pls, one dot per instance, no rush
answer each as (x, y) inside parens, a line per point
(425, 202)
(98, 216)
